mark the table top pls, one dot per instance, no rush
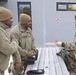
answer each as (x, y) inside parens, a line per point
(49, 61)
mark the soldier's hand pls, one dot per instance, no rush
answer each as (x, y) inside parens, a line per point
(30, 53)
(17, 65)
(34, 49)
(58, 43)
(12, 37)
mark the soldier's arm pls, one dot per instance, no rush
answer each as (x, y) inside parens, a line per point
(69, 45)
(7, 47)
(33, 41)
(16, 57)
(16, 60)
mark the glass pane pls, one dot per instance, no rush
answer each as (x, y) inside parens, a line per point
(71, 6)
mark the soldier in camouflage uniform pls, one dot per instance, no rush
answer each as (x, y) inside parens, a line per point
(70, 52)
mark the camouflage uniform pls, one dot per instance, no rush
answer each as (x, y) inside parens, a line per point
(71, 48)
(71, 51)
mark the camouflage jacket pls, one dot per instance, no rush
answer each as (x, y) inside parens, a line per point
(70, 47)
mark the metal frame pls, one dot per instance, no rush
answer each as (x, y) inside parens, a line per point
(65, 4)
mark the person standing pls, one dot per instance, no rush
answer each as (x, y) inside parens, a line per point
(8, 43)
(24, 35)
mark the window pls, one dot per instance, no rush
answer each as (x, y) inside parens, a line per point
(63, 6)
(24, 7)
(72, 6)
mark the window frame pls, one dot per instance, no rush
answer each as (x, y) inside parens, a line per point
(67, 6)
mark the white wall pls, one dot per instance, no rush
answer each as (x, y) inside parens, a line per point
(63, 31)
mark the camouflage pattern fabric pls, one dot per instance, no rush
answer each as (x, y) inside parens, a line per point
(71, 48)
(69, 59)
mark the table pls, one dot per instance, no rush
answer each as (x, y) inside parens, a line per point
(49, 61)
